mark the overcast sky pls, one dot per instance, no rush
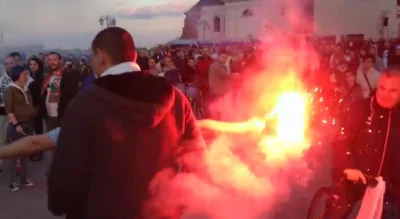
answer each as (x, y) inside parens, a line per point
(73, 23)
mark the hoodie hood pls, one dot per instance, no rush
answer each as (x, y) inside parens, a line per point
(141, 98)
(121, 69)
(376, 108)
(12, 84)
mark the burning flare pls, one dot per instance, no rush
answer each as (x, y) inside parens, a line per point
(282, 133)
(250, 168)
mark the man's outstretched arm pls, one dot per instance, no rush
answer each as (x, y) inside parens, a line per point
(27, 146)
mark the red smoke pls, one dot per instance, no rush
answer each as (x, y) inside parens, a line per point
(251, 166)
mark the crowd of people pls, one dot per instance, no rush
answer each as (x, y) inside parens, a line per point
(30, 94)
(129, 102)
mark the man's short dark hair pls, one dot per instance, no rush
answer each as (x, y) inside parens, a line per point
(15, 54)
(57, 54)
(117, 43)
(368, 56)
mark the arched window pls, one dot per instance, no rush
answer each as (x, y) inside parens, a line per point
(247, 13)
(217, 24)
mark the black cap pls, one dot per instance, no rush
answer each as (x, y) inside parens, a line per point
(16, 72)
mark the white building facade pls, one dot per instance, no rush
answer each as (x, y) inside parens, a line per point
(342, 17)
(239, 20)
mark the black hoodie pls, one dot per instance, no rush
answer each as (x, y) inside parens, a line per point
(115, 137)
(369, 141)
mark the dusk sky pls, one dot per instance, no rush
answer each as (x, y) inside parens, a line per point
(74, 23)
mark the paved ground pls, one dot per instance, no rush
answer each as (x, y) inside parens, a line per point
(31, 202)
(28, 202)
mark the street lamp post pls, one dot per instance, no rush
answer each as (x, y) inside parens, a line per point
(107, 21)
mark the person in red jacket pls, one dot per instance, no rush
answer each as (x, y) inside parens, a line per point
(203, 65)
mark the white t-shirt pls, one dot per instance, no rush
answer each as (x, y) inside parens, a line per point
(53, 96)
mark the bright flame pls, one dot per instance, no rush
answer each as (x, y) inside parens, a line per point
(290, 139)
(282, 133)
(251, 167)
(291, 112)
(251, 125)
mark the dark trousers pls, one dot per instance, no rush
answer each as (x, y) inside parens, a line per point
(38, 128)
(52, 123)
(13, 135)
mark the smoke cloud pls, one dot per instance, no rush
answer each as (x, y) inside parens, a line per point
(240, 178)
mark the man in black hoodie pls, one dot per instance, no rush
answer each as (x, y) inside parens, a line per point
(117, 135)
(368, 144)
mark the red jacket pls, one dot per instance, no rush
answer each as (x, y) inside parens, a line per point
(203, 65)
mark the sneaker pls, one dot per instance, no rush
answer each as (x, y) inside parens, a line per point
(28, 183)
(14, 187)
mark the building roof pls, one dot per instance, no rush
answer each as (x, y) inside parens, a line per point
(203, 3)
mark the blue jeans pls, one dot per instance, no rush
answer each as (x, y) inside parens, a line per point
(13, 135)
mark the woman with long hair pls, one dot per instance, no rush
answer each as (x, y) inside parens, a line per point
(153, 70)
(190, 73)
(36, 71)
